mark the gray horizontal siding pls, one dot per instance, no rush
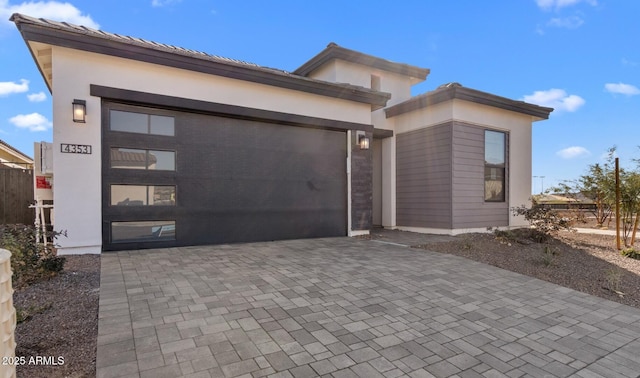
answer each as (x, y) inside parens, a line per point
(469, 210)
(423, 177)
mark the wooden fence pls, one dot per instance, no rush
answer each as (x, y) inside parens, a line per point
(16, 194)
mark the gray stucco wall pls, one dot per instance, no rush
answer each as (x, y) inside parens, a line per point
(423, 177)
(469, 208)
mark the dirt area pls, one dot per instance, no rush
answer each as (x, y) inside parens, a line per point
(61, 321)
(63, 311)
(584, 262)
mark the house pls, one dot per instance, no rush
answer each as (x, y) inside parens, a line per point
(10, 157)
(564, 201)
(178, 147)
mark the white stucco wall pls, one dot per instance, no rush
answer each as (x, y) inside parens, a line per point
(327, 72)
(340, 71)
(77, 178)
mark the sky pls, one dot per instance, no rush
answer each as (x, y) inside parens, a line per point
(580, 57)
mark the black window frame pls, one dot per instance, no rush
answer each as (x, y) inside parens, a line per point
(500, 168)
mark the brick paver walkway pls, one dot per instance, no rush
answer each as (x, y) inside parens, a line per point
(344, 307)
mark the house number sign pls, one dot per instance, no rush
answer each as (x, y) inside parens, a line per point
(68, 148)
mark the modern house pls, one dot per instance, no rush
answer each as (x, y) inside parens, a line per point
(158, 146)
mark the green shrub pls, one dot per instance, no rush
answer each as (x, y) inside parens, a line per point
(631, 252)
(544, 222)
(548, 256)
(506, 235)
(30, 261)
(25, 314)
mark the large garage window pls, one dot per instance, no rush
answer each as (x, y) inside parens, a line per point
(494, 166)
(143, 195)
(130, 158)
(137, 231)
(141, 123)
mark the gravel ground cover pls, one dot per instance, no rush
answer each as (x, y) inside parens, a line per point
(61, 320)
(584, 262)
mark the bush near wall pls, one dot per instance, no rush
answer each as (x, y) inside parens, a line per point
(30, 261)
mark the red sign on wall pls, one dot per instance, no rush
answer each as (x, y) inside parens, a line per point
(42, 182)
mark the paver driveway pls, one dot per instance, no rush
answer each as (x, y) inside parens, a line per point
(345, 307)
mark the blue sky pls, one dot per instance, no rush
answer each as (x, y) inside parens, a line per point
(578, 56)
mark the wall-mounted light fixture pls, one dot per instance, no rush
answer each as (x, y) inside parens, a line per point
(79, 111)
(363, 140)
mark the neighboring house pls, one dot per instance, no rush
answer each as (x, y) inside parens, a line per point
(245, 153)
(564, 201)
(12, 158)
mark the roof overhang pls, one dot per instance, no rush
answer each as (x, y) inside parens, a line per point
(16, 155)
(40, 33)
(457, 92)
(333, 51)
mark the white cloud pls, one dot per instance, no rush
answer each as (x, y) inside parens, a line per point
(9, 87)
(53, 10)
(621, 88)
(572, 22)
(557, 4)
(630, 63)
(555, 98)
(573, 152)
(32, 122)
(37, 97)
(163, 3)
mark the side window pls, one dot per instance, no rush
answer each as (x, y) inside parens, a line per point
(494, 166)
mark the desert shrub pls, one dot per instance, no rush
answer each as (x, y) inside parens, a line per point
(25, 314)
(613, 279)
(30, 261)
(544, 222)
(548, 256)
(631, 252)
(506, 235)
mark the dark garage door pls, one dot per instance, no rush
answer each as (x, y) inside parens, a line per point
(174, 178)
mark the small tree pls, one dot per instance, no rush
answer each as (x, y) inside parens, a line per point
(598, 184)
(544, 222)
(629, 204)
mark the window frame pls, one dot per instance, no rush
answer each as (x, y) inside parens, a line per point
(148, 202)
(148, 126)
(147, 152)
(144, 223)
(502, 167)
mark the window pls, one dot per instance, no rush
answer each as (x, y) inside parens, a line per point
(375, 82)
(143, 195)
(136, 231)
(494, 166)
(141, 123)
(130, 158)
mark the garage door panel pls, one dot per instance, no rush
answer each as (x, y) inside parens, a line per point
(223, 227)
(264, 163)
(226, 195)
(236, 181)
